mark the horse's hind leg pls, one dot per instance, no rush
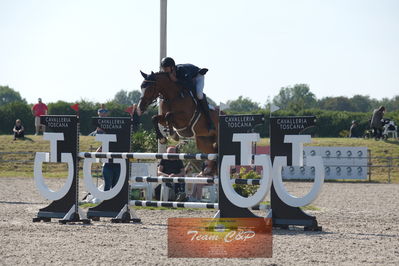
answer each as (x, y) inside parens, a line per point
(207, 145)
(156, 120)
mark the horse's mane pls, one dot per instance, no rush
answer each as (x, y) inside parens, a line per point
(153, 75)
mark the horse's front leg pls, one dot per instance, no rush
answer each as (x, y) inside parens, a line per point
(156, 120)
(169, 121)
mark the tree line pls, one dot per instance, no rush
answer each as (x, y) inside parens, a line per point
(299, 97)
(334, 114)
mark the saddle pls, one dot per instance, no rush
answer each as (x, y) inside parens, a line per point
(188, 131)
(189, 92)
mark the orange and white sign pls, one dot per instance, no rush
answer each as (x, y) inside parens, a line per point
(219, 238)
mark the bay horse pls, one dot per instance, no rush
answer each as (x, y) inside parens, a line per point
(179, 111)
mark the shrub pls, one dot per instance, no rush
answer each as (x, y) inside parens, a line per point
(13, 111)
(144, 141)
(187, 146)
(344, 133)
(246, 190)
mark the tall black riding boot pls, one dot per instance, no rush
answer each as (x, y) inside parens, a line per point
(205, 109)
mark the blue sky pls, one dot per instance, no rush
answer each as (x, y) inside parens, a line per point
(91, 49)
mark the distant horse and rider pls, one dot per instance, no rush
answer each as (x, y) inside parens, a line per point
(184, 108)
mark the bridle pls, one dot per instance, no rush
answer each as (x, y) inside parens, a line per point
(153, 95)
(161, 93)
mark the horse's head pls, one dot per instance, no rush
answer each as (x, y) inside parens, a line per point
(149, 91)
(152, 86)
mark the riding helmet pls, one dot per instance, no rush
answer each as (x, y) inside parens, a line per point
(167, 62)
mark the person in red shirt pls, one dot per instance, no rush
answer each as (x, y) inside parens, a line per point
(38, 110)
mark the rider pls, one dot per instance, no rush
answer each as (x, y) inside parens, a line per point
(191, 77)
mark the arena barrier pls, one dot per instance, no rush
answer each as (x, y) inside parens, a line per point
(235, 143)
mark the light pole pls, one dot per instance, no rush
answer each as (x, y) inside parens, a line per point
(162, 51)
(163, 21)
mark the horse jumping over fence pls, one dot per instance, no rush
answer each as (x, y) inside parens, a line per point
(180, 112)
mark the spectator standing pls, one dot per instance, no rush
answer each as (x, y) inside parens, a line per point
(354, 130)
(111, 172)
(376, 121)
(37, 110)
(18, 130)
(103, 112)
(136, 118)
(173, 168)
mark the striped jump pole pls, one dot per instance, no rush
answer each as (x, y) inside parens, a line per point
(191, 205)
(192, 180)
(162, 179)
(174, 204)
(149, 156)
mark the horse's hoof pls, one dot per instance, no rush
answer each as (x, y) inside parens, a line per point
(163, 140)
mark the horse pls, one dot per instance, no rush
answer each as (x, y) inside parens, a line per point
(180, 112)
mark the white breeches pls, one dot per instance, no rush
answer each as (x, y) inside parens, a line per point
(199, 86)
